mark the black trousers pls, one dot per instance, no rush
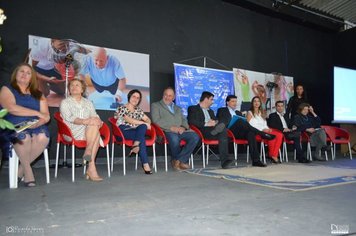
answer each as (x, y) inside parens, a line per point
(223, 141)
(295, 136)
(243, 130)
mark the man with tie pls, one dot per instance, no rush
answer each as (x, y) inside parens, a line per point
(279, 120)
(241, 128)
(170, 118)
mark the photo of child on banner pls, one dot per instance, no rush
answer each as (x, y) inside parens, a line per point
(270, 87)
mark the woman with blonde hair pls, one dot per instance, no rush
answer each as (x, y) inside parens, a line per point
(80, 116)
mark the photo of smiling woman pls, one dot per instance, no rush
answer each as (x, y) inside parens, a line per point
(133, 123)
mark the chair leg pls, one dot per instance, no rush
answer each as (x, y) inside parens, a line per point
(326, 156)
(247, 153)
(350, 150)
(285, 151)
(45, 154)
(332, 151)
(13, 169)
(203, 148)
(73, 164)
(154, 157)
(108, 159)
(165, 156)
(309, 152)
(207, 154)
(57, 157)
(112, 156)
(192, 160)
(123, 159)
(235, 153)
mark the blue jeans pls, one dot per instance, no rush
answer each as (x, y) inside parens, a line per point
(137, 134)
(182, 153)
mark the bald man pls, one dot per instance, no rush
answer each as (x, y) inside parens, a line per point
(106, 73)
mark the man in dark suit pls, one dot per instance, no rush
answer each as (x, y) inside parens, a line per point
(279, 120)
(204, 119)
(241, 128)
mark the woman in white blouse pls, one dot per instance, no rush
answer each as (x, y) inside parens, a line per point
(255, 117)
(80, 116)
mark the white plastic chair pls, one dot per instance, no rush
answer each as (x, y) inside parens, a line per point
(14, 167)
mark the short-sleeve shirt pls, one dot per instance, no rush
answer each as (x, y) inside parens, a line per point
(123, 111)
(106, 76)
(72, 109)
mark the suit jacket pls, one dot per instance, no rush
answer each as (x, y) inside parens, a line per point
(162, 116)
(196, 116)
(224, 115)
(274, 121)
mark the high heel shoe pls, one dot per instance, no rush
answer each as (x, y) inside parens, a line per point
(93, 178)
(134, 150)
(275, 161)
(147, 172)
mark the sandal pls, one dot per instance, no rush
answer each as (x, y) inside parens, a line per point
(30, 184)
(134, 150)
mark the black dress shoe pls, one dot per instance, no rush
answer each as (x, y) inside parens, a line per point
(226, 164)
(317, 158)
(304, 161)
(258, 164)
(267, 136)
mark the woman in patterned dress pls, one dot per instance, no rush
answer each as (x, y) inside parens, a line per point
(80, 116)
(133, 123)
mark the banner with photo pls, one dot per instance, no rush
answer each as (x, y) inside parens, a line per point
(269, 87)
(109, 73)
(191, 81)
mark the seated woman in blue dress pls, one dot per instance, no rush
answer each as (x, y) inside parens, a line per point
(25, 102)
(133, 123)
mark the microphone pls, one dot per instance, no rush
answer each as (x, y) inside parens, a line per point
(68, 59)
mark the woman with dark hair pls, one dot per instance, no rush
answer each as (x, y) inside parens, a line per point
(80, 116)
(133, 123)
(256, 118)
(308, 121)
(300, 96)
(25, 102)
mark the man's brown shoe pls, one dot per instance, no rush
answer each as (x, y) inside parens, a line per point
(176, 164)
(183, 166)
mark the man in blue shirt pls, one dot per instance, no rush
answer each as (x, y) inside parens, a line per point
(106, 74)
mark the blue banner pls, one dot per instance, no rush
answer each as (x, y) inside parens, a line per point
(191, 81)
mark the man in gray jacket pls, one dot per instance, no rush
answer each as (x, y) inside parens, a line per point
(169, 117)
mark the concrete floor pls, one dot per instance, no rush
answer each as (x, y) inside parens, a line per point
(173, 203)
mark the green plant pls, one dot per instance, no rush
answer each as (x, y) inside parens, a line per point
(4, 124)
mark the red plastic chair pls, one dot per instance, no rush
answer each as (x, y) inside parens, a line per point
(204, 142)
(160, 133)
(262, 150)
(65, 137)
(285, 149)
(237, 142)
(337, 136)
(119, 139)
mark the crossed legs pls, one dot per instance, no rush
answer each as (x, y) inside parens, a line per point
(28, 150)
